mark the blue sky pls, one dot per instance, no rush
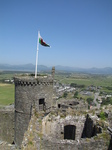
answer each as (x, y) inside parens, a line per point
(79, 32)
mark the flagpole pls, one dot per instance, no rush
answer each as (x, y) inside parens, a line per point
(37, 55)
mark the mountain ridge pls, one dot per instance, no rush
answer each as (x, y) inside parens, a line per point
(31, 67)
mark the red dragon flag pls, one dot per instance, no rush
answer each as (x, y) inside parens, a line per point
(41, 41)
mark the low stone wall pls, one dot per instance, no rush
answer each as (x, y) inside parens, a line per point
(7, 125)
(74, 104)
(84, 144)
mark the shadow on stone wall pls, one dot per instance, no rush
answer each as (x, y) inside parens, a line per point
(110, 145)
(21, 126)
(90, 129)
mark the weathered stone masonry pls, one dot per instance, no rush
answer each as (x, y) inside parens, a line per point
(7, 124)
(29, 93)
(56, 127)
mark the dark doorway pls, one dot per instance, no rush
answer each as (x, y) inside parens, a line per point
(42, 104)
(69, 132)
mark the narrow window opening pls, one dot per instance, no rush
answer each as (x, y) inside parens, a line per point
(59, 105)
(42, 104)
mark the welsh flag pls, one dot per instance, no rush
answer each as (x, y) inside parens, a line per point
(41, 41)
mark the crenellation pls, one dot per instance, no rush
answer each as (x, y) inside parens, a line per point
(24, 82)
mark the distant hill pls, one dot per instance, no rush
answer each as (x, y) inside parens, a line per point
(26, 67)
(107, 70)
(31, 67)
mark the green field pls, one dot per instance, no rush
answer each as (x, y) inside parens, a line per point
(6, 94)
(7, 90)
(103, 81)
(87, 80)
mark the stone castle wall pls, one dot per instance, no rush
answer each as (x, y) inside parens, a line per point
(54, 127)
(84, 144)
(72, 103)
(49, 133)
(7, 125)
(29, 93)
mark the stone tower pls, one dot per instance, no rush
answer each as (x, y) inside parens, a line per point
(29, 93)
(53, 72)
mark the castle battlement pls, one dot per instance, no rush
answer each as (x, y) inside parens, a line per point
(31, 81)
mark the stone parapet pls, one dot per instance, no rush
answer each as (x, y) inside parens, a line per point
(31, 81)
(7, 124)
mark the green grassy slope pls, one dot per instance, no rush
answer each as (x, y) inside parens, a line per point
(6, 94)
